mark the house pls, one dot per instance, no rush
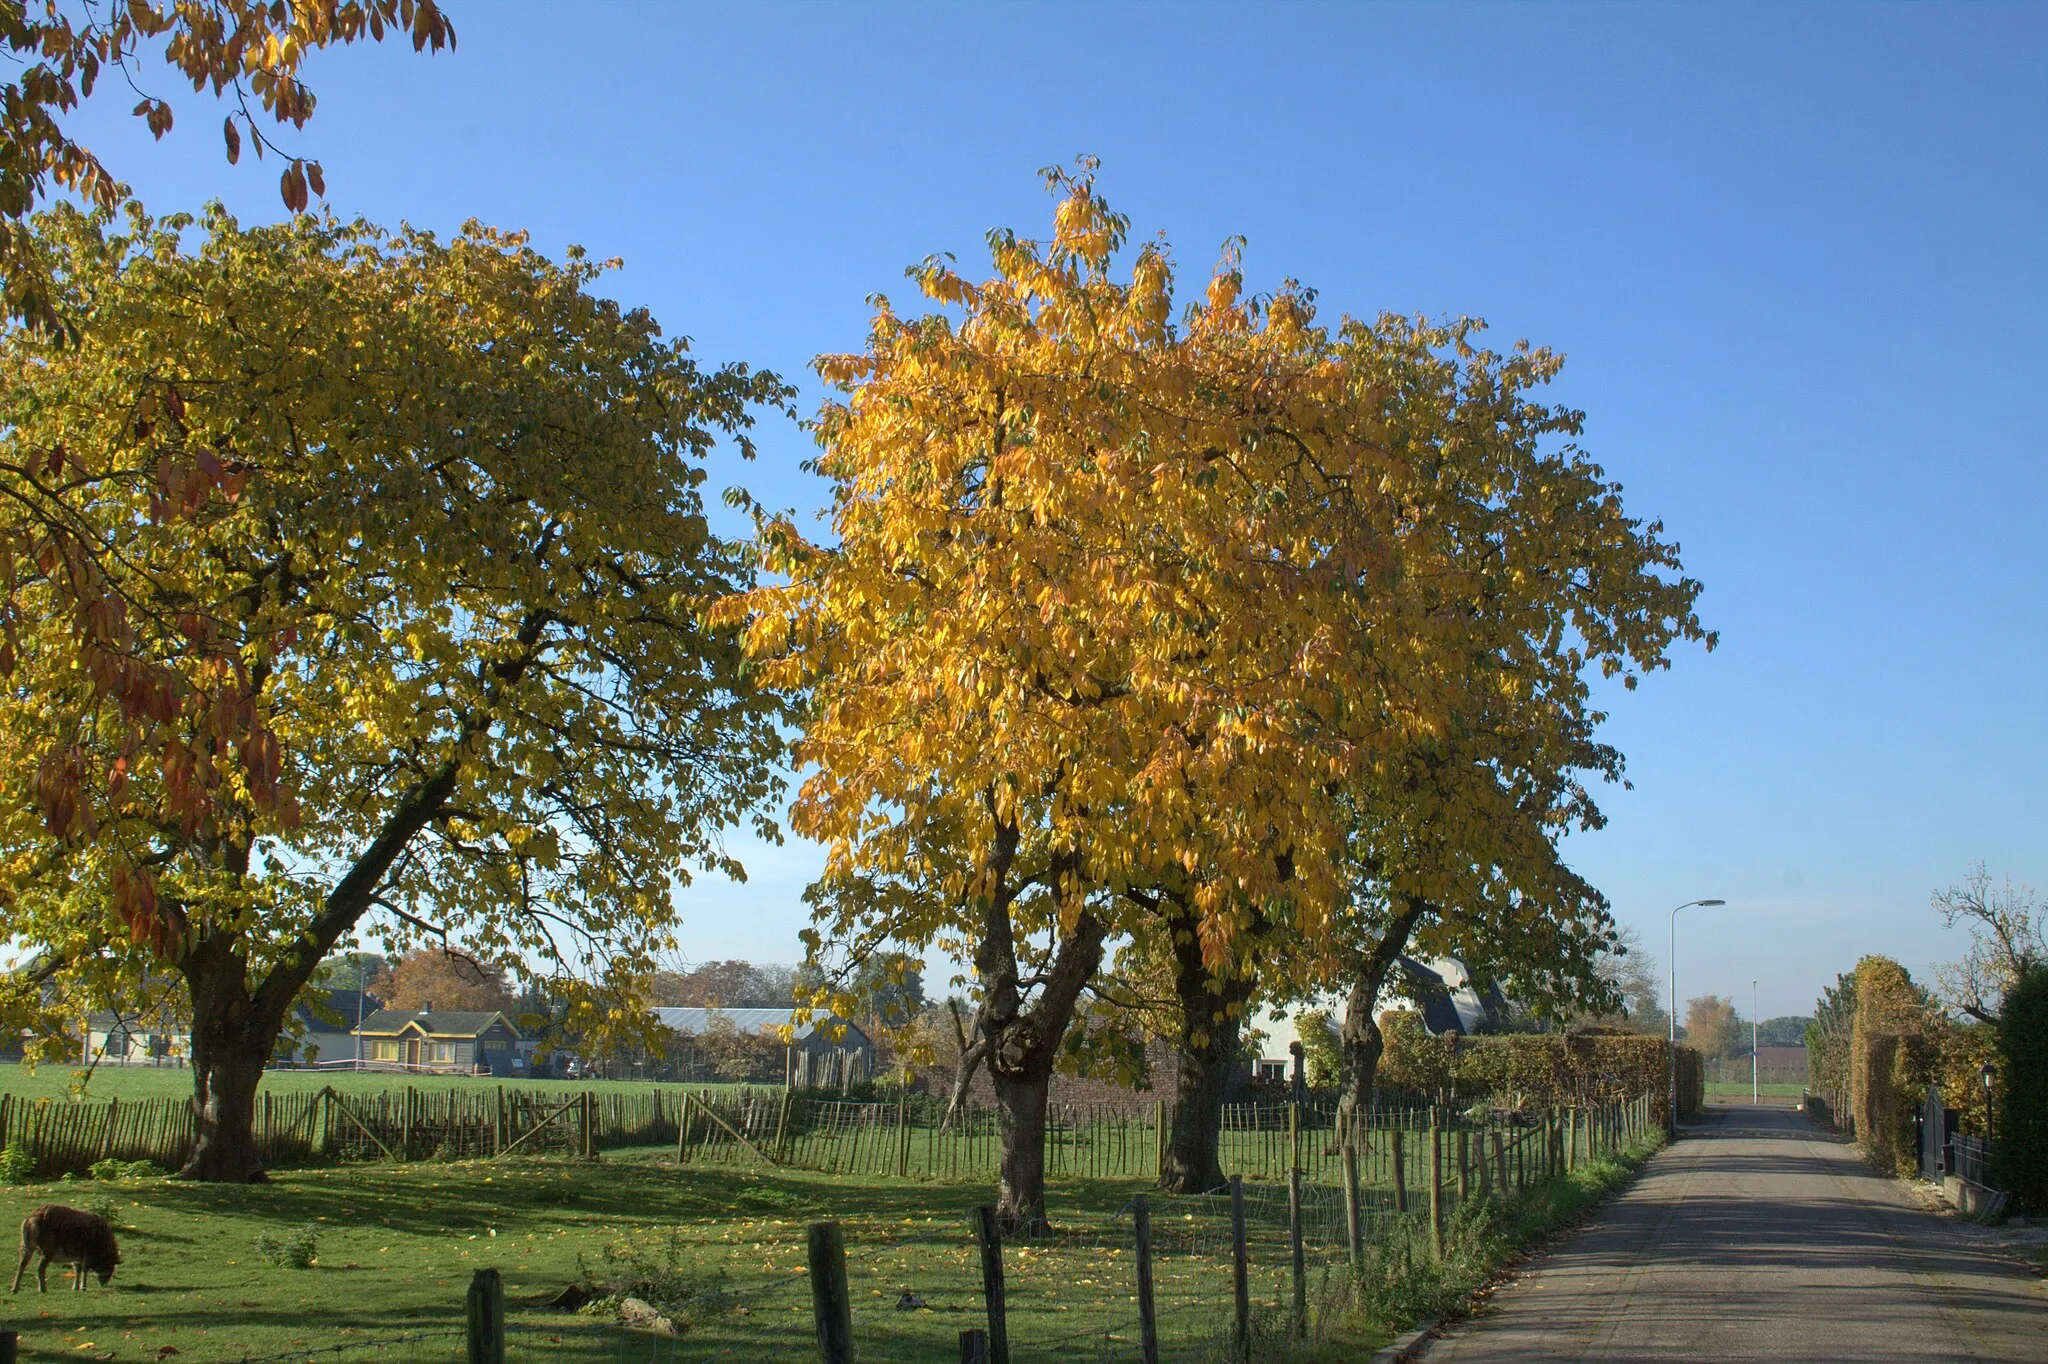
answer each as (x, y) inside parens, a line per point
(448, 1042)
(1441, 990)
(325, 1034)
(126, 1040)
(824, 1051)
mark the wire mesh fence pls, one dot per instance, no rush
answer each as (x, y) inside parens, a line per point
(1312, 1194)
(1250, 1262)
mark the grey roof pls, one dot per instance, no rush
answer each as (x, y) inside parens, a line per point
(695, 1022)
(439, 1023)
(346, 1003)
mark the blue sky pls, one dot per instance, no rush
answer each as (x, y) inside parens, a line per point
(1797, 257)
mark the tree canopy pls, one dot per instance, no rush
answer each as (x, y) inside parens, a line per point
(426, 639)
(1243, 608)
(249, 50)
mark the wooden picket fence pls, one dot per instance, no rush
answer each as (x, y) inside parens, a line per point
(905, 1137)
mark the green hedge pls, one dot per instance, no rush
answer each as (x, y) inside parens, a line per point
(1894, 1055)
(1542, 1070)
(2019, 1146)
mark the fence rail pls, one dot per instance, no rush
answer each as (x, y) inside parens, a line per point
(1205, 1277)
(908, 1136)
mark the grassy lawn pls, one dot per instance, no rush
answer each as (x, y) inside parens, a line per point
(1741, 1090)
(158, 1082)
(397, 1244)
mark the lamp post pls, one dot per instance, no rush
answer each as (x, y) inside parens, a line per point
(1752, 1043)
(1673, 1113)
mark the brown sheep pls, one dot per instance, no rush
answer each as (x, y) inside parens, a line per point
(69, 1236)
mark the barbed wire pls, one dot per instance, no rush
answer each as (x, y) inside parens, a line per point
(448, 1336)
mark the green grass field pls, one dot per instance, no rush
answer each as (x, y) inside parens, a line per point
(158, 1082)
(396, 1247)
(1716, 1090)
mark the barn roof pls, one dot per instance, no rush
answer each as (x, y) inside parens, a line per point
(694, 1022)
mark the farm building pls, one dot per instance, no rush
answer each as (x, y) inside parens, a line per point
(325, 1034)
(1440, 989)
(448, 1041)
(126, 1040)
(826, 1052)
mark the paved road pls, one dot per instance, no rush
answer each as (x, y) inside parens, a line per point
(1759, 1238)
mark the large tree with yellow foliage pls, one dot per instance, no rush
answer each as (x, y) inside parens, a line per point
(1527, 579)
(1124, 607)
(411, 533)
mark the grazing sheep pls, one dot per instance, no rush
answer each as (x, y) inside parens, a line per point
(69, 1236)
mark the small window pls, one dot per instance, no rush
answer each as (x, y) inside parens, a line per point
(384, 1051)
(1272, 1070)
(442, 1051)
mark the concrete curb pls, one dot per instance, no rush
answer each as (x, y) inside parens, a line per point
(1403, 1348)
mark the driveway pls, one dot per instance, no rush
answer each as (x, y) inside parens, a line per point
(1758, 1237)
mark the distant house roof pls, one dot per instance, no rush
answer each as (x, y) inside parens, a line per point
(695, 1022)
(439, 1023)
(348, 1005)
(1446, 996)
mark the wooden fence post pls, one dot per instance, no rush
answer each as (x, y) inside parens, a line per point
(1294, 1133)
(1464, 1166)
(1436, 1186)
(486, 1318)
(114, 1107)
(589, 1137)
(903, 1133)
(10, 1347)
(1354, 1223)
(1159, 1139)
(831, 1307)
(1240, 1273)
(1148, 1324)
(988, 1235)
(684, 1113)
(1400, 1173)
(1298, 1321)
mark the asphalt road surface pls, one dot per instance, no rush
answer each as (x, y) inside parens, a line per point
(1758, 1237)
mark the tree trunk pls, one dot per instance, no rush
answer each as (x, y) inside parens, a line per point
(233, 1039)
(225, 1074)
(1211, 1032)
(1193, 1155)
(1361, 1045)
(1020, 1191)
(1359, 1039)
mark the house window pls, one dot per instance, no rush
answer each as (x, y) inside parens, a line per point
(384, 1051)
(1272, 1070)
(441, 1051)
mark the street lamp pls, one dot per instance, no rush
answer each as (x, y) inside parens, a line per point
(1673, 1114)
(1752, 1044)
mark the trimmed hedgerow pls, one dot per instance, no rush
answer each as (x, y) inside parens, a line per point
(2019, 1146)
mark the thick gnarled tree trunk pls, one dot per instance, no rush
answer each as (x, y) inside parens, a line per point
(1021, 1042)
(1359, 1040)
(226, 1072)
(233, 1037)
(1211, 1050)
(236, 1022)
